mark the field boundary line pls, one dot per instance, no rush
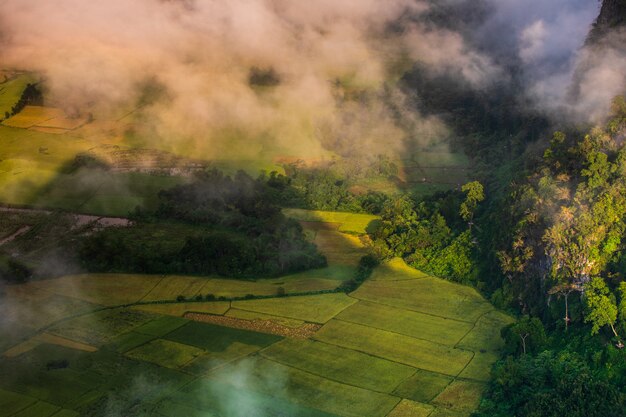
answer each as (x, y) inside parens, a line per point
(380, 357)
(411, 309)
(473, 326)
(398, 333)
(329, 379)
(152, 289)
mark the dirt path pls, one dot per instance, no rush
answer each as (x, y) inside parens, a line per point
(80, 219)
(15, 235)
(303, 331)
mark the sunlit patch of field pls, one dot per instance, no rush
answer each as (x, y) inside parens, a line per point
(44, 118)
(348, 222)
(403, 344)
(11, 90)
(311, 308)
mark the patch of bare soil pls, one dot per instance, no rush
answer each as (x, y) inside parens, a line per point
(303, 331)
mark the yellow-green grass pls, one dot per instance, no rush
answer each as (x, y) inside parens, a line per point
(428, 295)
(349, 222)
(253, 315)
(34, 115)
(179, 309)
(480, 366)
(161, 326)
(210, 361)
(417, 353)
(210, 397)
(313, 391)
(406, 322)
(444, 412)
(103, 289)
(461, 395)
(214, 338)
(311, 308)
(339, 248)
(165, 353)
(35, 311)
(11, 402)
(11, 91)
(127, 341)
(32, 160)
(396, 270)
(28, 376)
(339, 364)
(221, 344)
(408, 408)
(39, 409)
(486, 332)
(171, 286)
(98, 328)
(423, 386)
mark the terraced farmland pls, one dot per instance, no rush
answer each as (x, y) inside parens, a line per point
(403, 344)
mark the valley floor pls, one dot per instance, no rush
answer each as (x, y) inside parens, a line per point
(403, 344)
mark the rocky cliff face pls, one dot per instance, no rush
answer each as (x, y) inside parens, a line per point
(612, 15)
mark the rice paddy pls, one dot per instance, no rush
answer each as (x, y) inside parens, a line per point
(403, 344)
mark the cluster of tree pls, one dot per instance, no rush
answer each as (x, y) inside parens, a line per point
(329, 187)
(568, 225)
(563, 263)
(216, 224)
(31, 96)
(420, 234)
(550, 384)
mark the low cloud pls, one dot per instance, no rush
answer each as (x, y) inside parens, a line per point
(198, 56)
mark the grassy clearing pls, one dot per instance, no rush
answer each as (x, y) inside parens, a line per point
(127, 341)
(103, 289)
(165, 353)
(396, 270)
(220, 344)
(179, 309)
(486, 332)
(11, 402)
(423, 386)
(349, 222)
(460, 395)
(32, 160)
(217, 338)
(417, 353)
(161, 326)
(287, 383)
(11, 91)
(480, 367)
(311, 308)
(408, 408)
(99, 328)
(339, 364)
(253, 315)
(171, 286)
(211, 397)
(339, 248)
(409, 323)
(39, 409)
(428, 295)
(32, 312)
(34, 115)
